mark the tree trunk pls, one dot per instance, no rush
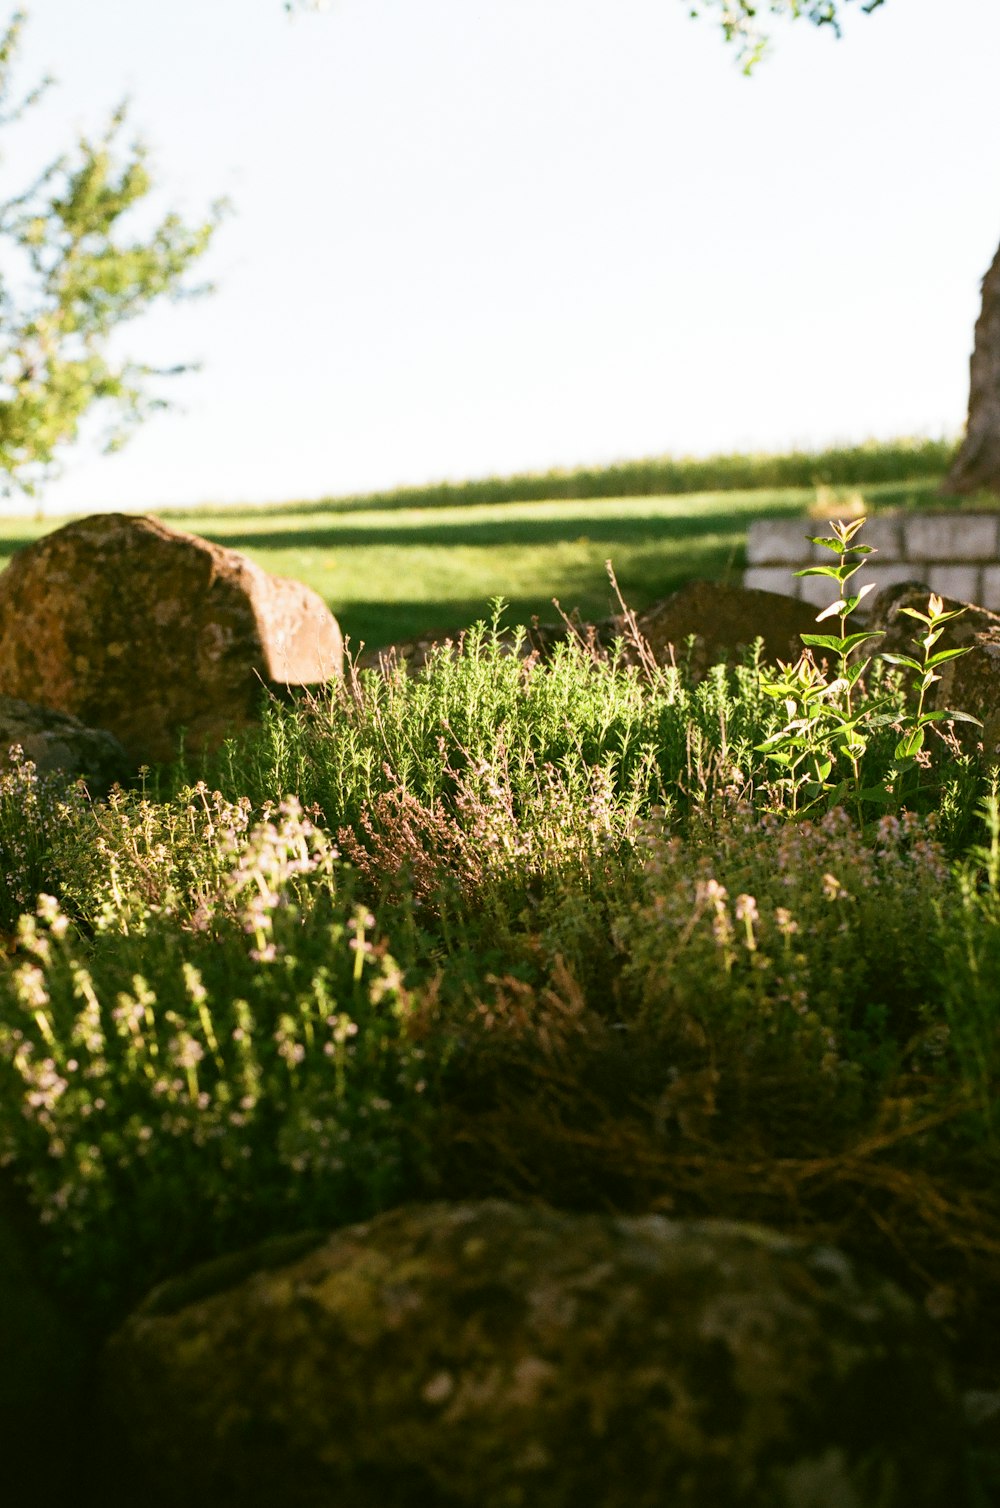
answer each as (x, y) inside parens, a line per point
(977, 465)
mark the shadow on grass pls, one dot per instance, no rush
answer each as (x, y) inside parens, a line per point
(376, 624)
(485, 533)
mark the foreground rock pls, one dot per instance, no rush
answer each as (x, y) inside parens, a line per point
(496, 1356)
(135, 627)
(58, 744)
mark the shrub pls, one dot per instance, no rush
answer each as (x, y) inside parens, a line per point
(171, 1091)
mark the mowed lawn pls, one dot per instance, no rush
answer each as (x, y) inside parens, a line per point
(393, 573)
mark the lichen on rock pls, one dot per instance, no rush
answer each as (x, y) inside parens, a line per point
(144, 630)
(497, 1356)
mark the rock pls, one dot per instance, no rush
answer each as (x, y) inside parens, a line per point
(725, 621)
(487, 1355)
(58, 744)
(899, 629)
(135, 627)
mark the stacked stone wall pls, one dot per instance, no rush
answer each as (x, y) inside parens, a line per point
(954, 554)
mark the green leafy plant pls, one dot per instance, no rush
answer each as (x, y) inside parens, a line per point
(824, 723)
(912, 742)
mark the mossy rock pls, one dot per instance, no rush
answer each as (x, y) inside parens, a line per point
(499, 1356)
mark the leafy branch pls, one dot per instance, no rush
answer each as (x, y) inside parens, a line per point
(822, 724)
(77, 275)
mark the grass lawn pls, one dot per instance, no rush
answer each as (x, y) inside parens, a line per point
(391, 573)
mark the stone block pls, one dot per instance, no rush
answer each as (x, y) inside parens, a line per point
(818, 591)
(893, 573)
(951, 536)
(958, 581)
(771, 579)
(881, 534)
(989, 588)
(780, 541)
(883, 576)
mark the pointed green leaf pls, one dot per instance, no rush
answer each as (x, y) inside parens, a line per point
(948, 654)
(822, 641)
(853, 640)
(910, 744)
(945, 714)
(877, 795)
(906, 660)
(845, 531)
(881, 719)
(842, 645)
(832, 571)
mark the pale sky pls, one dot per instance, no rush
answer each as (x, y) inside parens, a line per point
(484, 236)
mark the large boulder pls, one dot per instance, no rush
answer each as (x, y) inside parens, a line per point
(135, 627)
(487, 1355)
(723, 621)
(57, 744)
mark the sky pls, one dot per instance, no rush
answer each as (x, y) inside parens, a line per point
(475, 237)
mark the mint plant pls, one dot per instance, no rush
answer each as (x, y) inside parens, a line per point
(823, 724)
(912, 742)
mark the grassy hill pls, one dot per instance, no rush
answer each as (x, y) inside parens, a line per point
(430, 559)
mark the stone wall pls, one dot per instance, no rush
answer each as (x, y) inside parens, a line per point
(955, 554)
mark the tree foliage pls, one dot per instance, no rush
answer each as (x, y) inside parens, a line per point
(745, 22)
(71, 273)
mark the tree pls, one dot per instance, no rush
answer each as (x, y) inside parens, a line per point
(743, 25)
(976, 467)
(70, 275)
